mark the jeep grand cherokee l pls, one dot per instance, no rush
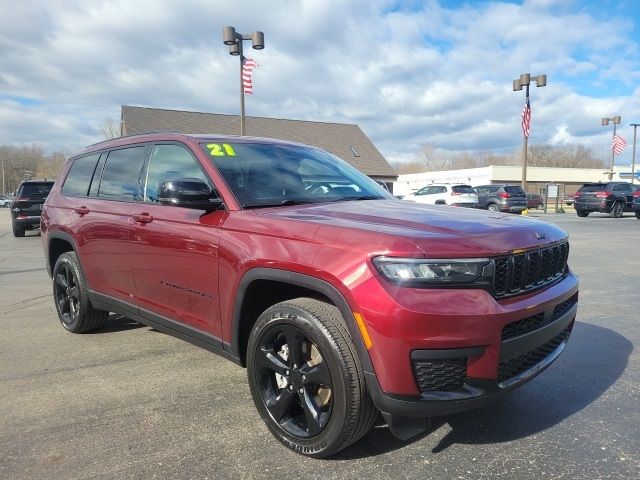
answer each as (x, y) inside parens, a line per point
(340, 300)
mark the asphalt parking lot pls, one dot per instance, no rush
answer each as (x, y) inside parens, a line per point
(130, 402)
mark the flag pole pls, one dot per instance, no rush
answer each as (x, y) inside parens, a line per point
(242, 128)
(524, 151)
(613, 152)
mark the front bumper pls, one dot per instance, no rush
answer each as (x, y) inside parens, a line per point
(464, 331)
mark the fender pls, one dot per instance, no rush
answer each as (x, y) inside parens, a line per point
(61, 235)
(301, 280)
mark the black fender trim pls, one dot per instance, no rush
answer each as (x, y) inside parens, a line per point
(300, 280)
(192, 335)
(61, 236)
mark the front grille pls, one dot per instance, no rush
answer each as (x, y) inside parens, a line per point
(516, 366)
(439, 375)
(521, 272)
(523, 326)
(564, 306)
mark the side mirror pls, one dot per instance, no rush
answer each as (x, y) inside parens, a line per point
(188, 193)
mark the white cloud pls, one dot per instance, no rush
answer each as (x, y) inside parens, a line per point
(408, 77)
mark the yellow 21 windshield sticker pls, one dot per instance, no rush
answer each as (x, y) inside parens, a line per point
(217, 150)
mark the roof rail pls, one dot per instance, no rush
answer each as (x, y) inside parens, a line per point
(132, 135)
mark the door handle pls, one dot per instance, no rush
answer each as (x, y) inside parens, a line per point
(143, 218)
(81, 210)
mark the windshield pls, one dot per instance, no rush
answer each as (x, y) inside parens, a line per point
(262, 174)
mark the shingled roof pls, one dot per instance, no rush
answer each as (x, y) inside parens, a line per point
(344, 140)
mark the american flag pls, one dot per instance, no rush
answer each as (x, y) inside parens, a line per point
(526, 118)
(618, 144)
(247, 69)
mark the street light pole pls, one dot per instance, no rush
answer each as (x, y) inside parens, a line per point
(633, 155)
(524, 81)
(616, 119)
(234, 40)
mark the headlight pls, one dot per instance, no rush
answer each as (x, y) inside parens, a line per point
(426, 271)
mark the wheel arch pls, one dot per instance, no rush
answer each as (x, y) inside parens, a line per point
(58, 243)
(252, 298)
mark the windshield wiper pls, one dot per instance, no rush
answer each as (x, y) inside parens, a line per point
(283, 203)
(361, 197)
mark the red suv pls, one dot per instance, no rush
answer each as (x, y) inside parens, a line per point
(340, 300)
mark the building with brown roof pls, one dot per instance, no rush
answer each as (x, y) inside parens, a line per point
(344, 140)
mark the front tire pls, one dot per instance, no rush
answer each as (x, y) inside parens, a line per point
(582, 213)
(71, 296)
(306, 379)
(638, 214)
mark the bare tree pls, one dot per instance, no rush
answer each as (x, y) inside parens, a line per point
(110, 129)
(49, 167)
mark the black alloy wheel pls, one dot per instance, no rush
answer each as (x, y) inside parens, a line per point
(71, 296)
(66, 294)
(295, 382)
(617, 210)
(306, 379)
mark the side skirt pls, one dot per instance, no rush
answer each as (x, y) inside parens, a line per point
(192, 335)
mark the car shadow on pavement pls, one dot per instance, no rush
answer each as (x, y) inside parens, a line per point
(116, 323)
(594, 359)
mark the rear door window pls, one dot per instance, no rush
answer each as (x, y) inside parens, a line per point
(622, 187)
(121, 176)
(80, 175)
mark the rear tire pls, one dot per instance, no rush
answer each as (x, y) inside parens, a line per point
(638, 214)
(18, 231)
(540, 206)
(617, 210)
(582, 213)
(306, 379)
(71, 296)
(492, 207)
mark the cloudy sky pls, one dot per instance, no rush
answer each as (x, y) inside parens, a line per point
(409, 73)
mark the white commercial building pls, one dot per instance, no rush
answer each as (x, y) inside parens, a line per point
(569, 179)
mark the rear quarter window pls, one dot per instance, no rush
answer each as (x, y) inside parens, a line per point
(80, 174)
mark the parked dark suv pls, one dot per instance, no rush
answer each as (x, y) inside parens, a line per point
(341, 300)
(27, 205)
(613, 198)
(636, 202)
(502, 198)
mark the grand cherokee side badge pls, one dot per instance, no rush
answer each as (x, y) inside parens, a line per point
(540, 236)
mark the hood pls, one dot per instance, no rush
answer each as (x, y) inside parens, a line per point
(435, 230)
